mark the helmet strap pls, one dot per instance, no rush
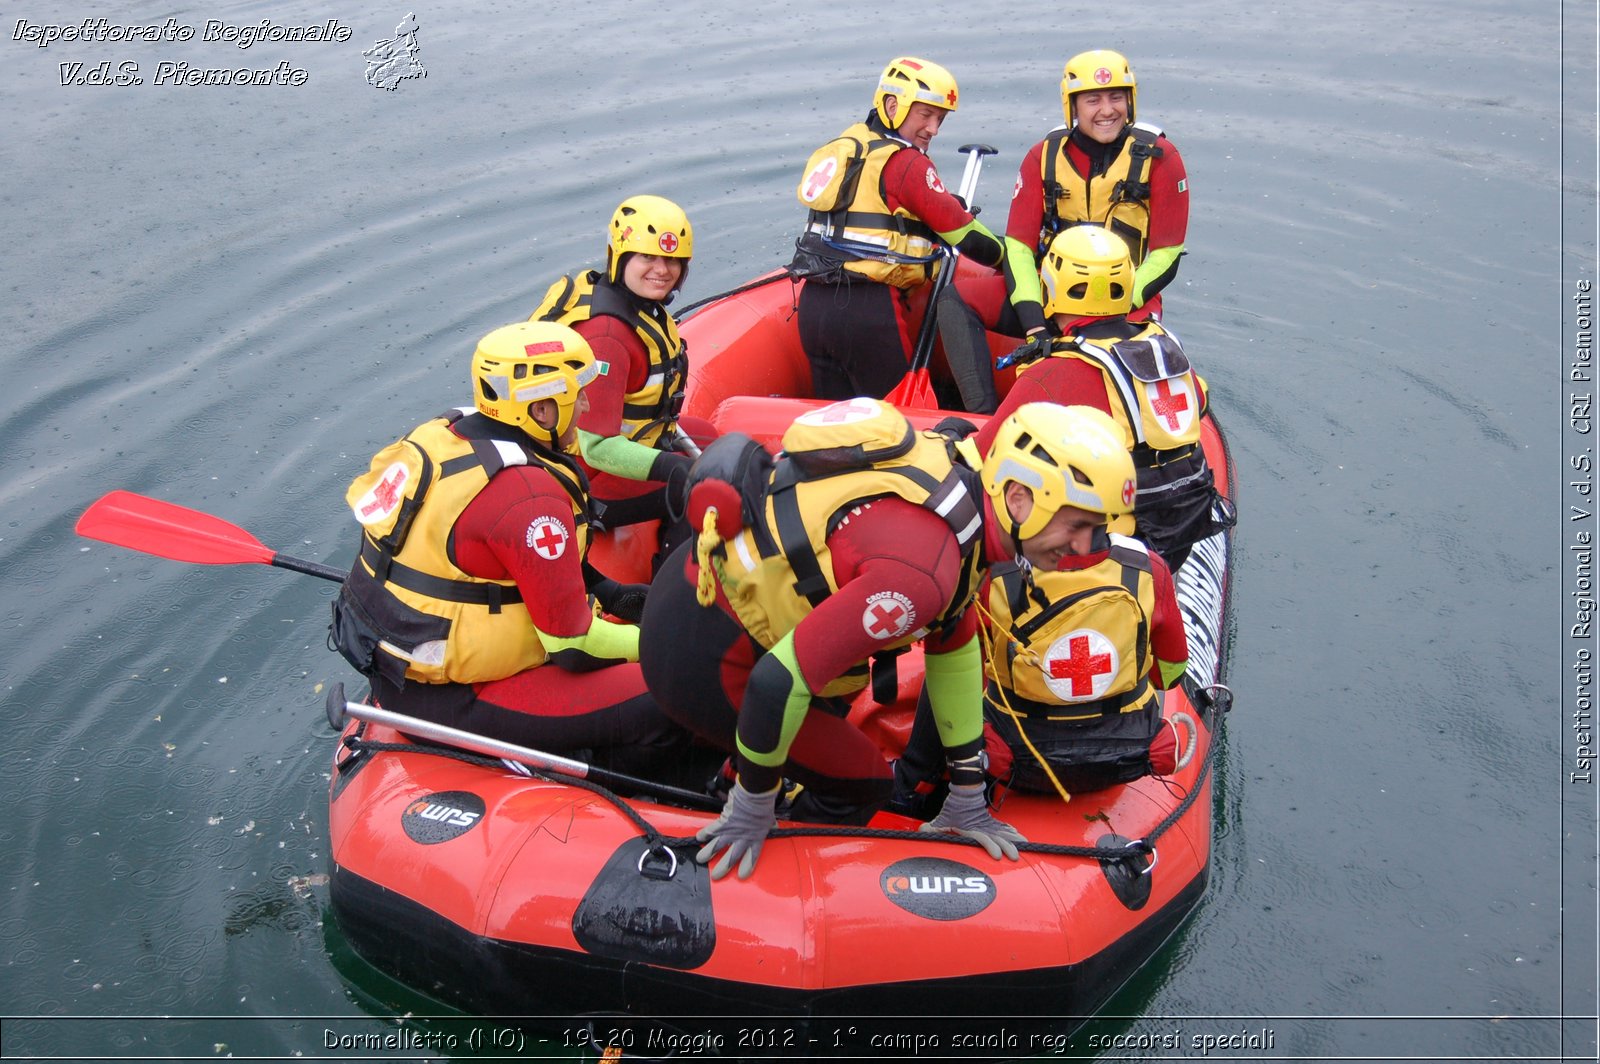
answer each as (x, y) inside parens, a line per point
(1015, 532)
(1100, 155)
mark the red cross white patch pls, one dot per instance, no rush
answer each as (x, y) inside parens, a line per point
(888, 615)
(1080, 665)
(548, 538)
(844, 412)
(1102, 76)
(933, 180)
(818, 179)
(668, 242)
(1172, 402)
(384, 497)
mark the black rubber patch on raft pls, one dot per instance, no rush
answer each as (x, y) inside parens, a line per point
(650, 905)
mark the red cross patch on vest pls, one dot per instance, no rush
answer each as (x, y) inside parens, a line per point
(1080, 665)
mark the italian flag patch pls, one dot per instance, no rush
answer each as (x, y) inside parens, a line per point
(1183, 185)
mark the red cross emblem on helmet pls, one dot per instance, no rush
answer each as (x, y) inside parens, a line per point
(1127, 493)
(950, 98)
(1102, 76)
(668, 242)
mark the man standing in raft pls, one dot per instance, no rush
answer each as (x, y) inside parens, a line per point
(469, 603)
(631, 428)
(879, 216)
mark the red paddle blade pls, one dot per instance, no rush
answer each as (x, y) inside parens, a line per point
(914, 390)
(169, 531)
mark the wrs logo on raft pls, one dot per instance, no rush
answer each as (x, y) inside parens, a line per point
(441, 817)
(937, 889)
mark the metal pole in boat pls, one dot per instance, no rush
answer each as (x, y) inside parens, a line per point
(969, 176)
(684, 442)
(483, 744)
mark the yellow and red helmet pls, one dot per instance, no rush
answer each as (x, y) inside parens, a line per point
(1066, 456)
(649, 225)
(911, 80)
(517, 365)
(1096, 71)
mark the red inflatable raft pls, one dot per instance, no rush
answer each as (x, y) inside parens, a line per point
(504, 893)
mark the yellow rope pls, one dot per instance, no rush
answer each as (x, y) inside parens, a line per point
(705, 590)
(991, 633)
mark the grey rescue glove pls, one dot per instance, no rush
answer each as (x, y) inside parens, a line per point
(966, 813)
(739, 832)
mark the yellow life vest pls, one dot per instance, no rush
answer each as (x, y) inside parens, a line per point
(652, 411)
(775, 572)
(1074, 645)
(443, 624)
(1151, 389)
(850, 225)
(1118, 199)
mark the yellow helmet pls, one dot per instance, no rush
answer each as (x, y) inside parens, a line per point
(517, 365)
(649, 225)
(1087, 272)
(1093, 72)
(1067, 456)
(910, 80)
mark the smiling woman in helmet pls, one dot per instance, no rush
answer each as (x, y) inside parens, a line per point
(629, 435)
(1106, 168)
(1134, 371)
(469, 603)
(878, 218)
(1086, 634)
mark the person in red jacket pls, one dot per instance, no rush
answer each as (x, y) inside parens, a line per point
(813, 574)
(634, 446)
(1137, 372)
(1105, 168)
(879, 215)
(470, 604)
(1081, 646)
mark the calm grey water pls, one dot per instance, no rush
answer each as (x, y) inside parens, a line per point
(230, 296)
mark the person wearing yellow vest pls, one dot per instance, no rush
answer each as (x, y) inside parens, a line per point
(1081, 642)
(1105, 168)
(470, 604)
(630, 436)
(1135, 371)
(864, 537)
(878, 218)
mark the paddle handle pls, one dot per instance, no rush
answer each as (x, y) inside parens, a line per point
(922, 354)
(310, 568)
(975, 154)
(338, 709)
